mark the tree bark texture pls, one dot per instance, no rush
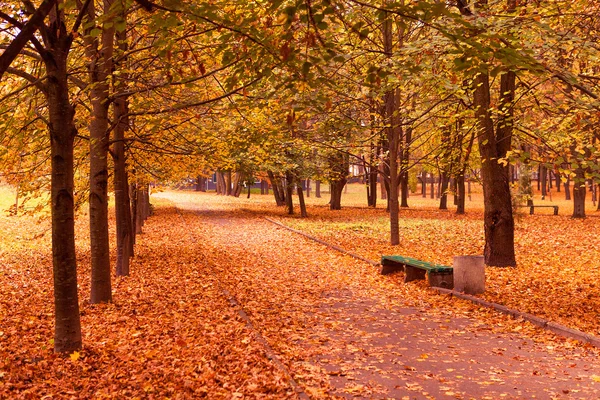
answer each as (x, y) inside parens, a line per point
(543, 181)
(121, 187)
(404, 168)
(579, 192)
(303, 212)
(568, 188)
(498, 218)
(67, 334)
(100, 54)
(278, 192)
(444, 191)
(339, 165)
(460, 194)
(228, 183)
(336, 188)
(289, 192)
(393, 138)
(124, 228)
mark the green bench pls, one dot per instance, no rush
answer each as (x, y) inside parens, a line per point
(437, 275)
(532, 207)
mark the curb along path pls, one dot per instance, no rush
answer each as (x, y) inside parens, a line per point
(558, 329)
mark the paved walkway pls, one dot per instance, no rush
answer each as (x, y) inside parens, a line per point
(343, 331)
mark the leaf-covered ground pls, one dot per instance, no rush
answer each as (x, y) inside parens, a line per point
(171, 332)
(557, 256)
(216, 292)
(344, 330)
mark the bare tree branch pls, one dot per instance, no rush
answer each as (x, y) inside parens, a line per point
(26, 34)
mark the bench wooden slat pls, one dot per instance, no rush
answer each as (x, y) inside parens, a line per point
(532, 207)
(390, 260)
(437, 274)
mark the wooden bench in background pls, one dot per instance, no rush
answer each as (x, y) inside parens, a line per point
(437, 275)
(532, 207)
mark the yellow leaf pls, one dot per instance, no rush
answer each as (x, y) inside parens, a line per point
(74, 356)
(596, 378)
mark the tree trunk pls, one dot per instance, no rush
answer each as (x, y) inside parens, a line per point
(444, 191)
(139, 217)
(277, 189)
(289, 192)
(121, 181)
(67, 334)
(568, 188)
(460, 194)
(121, 188)
(228, 179)
(498, 217)
(543, 181)
(373, 187)
(263, 189)
(201, 183)
(147, 205)
(318, 189)
(303, 212)
(220, 183)
(432, 187)
(308, 187)
(579, 192)
(135, 209)
(236, 185)
(469, 188)
(122, 212)
(336, 190)
(393, 128)
(100, 55)
(404, 189)
(382, 188)
(407, 140)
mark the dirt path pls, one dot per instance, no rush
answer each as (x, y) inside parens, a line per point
(342, 330)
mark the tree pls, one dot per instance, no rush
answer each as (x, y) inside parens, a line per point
(99, 49)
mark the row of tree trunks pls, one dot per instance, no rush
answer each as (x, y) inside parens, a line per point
(57, 41)
(228, 184)
(141, 208)
(291, 182)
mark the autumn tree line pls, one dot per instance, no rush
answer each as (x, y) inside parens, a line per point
(105, 97)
